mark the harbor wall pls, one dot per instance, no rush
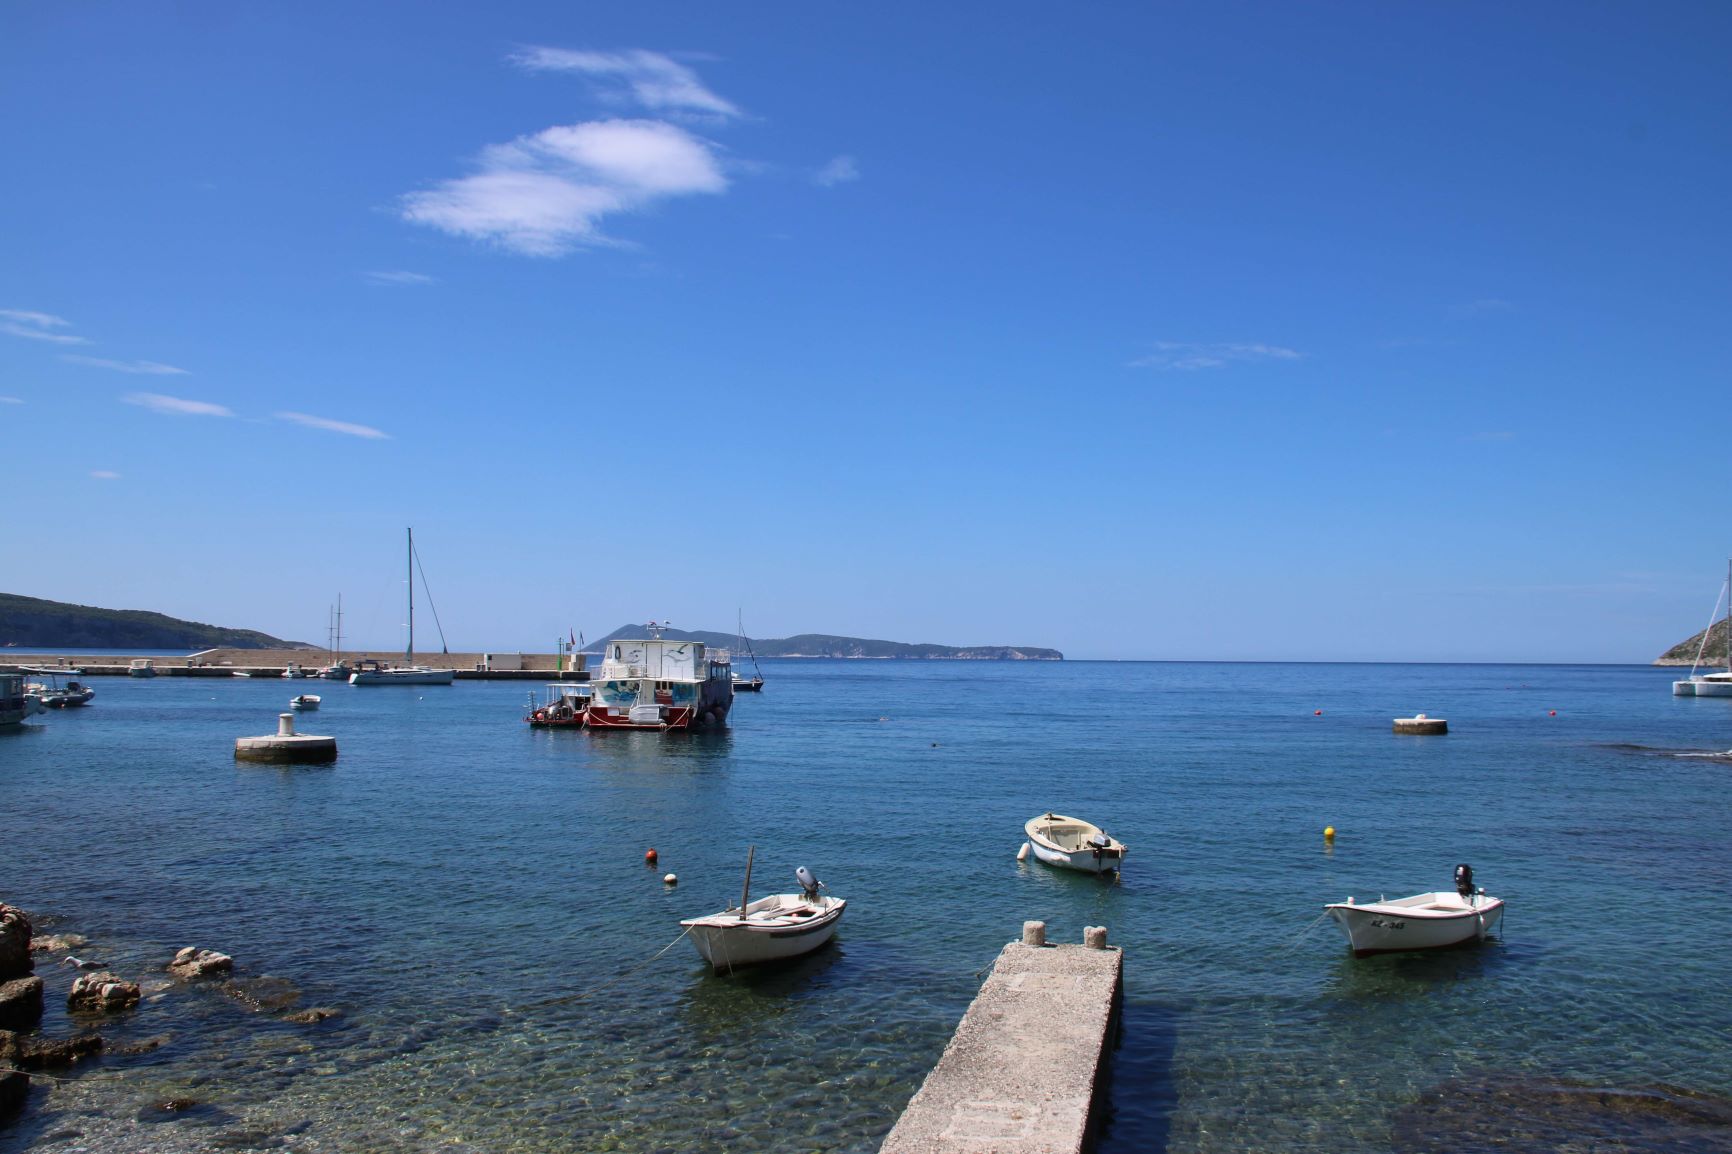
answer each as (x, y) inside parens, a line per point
(225, 662)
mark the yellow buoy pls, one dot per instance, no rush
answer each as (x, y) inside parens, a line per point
(1328, 833)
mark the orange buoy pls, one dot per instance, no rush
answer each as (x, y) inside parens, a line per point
(1316, 713)
(1554, 713)
(649, 856)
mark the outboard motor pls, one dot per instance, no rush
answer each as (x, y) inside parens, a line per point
(1464, 880)
(808, 882)
(1100, 841)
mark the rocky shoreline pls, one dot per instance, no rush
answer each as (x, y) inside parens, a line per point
(95, 995)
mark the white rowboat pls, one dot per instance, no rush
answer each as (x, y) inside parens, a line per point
(305, 701)
(1072, 843)
(771, 929)
(1431, 921)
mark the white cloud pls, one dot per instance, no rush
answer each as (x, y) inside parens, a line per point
(151, 368)
(331, 426)
(1187, 355)
(652, 80)
(398, 277)
(177, 406)
(37, 327)
(841, 170)
(542, 195)
(105, 474)
(11, 400)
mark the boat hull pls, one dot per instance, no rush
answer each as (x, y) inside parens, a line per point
(1088, 861)
(1683, 689)
(1386, 928)
(728, 943)
(1707, 688)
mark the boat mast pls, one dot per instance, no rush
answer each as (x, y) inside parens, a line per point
(746, 890)
(409, 653)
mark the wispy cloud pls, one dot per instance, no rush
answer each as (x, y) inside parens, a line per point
(177, 406)
(650, 79)
(545, 194)
(150, 368)
(331, 426)
(37, 326)
(1185, 355)
(399, 277)
(105, 474)
(11, 400)
(841, 170)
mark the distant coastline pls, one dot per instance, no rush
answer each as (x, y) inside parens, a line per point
(834, 646)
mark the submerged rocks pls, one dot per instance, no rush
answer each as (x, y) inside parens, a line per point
(193, 962)
(102, 993)
(15, 959)
(55, 943)
(1518, 1114)
(25, 1053)
(20, 1003)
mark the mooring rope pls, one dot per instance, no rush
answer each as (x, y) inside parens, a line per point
(587, 994)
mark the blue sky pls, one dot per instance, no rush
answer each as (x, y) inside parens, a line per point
(1241, 331)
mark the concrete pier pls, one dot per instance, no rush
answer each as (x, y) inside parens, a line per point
(1421, 725)
(1028, 1063)
(272, 663)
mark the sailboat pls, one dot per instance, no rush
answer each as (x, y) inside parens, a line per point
(408, 673)
(755, 683)
(1711, 684)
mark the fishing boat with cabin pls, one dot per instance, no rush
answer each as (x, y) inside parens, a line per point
(660, 683)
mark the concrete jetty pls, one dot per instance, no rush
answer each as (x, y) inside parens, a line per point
(273, 662)
(1028, 1064)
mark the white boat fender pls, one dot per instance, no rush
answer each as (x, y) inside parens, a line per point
(1022, 854)
(809, 881)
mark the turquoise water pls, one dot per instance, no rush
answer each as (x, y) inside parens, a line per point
(471, 896)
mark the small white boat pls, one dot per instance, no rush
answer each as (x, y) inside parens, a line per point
(15, 703)
(142, 667)
(1431, 921)
(305, 701)
(1072, 843)
(771, 929)
(52, 694)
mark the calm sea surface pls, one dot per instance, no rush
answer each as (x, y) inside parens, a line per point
(471, 896)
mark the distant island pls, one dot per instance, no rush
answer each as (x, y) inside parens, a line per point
(1684, 653)
(829, 645)
(33, 622)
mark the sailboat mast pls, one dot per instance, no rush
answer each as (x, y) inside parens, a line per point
(409, 653)
(1728, 637)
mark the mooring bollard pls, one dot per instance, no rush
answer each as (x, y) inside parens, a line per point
(285, 725)
(1034, 933)
(1095, 937)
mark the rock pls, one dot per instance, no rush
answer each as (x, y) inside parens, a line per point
(263, 992)
(14, 1087)
(20, 1003)
(27, 1053)
(102, 993)
(193, 962)
(312, 1014)
(54, 943)
(15, 959)
(1519, 1114)
(143, 1046)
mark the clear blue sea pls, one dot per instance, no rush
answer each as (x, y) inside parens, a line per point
(471, 896)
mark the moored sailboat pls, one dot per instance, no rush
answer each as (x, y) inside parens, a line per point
(408, 673)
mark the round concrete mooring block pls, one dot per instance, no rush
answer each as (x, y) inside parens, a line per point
(1034, 933)
(1421, 725)
(286, 746)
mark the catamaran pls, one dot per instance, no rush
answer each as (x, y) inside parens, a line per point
(1711, 684)
(407, 673)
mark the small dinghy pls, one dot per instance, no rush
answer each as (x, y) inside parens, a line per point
(771, 929)
(1431, 921)
(1074, 844)
(304, 701)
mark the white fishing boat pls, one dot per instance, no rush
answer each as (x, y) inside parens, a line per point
(771, 929)
(563, 706)
(1431, 921)
(15, 703)
(52, 694)
(408, 673)
(1072, 843)
(141, 667)
(1711, 684)
(305, 701)
(660, 683)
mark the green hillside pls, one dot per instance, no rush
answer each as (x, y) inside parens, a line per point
(830, 645)
(1684, 652)
(31, 621)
